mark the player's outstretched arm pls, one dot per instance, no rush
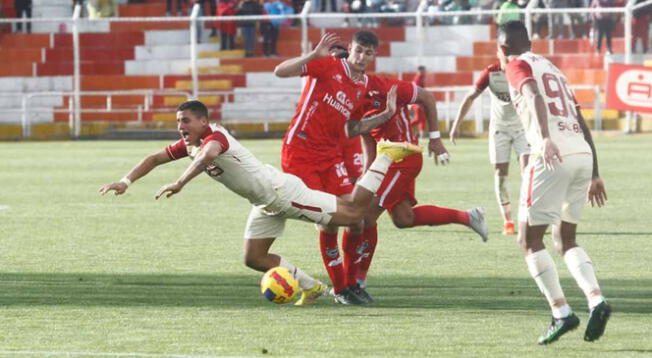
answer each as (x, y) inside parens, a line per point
(536, 105)
(597, 194)
(203, 159)
(145, 166)
(467, 102)
(365, 125)
(294, 66)
(435, 145)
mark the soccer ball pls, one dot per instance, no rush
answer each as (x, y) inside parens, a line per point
(278, 285)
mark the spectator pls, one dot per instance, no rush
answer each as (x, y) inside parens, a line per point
(212, 4)
(641, 26)
(504, 16)
(604, 23)
(227, 28)
(270, 29)
(248, 27)
(180, 4)
(101, 8)
(557, 29)
(578, 21)
(323, 6)
(23, 6)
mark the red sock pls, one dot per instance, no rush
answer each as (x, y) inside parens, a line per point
(330, 253)
(435, 215)
(370, 235)
(350, 245)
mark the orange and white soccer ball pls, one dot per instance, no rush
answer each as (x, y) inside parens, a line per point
(279, 285)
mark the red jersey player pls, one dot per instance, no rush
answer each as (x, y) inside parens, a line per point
(312, 147)
(419, 116)
(396, 193)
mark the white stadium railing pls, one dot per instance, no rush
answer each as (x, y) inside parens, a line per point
(421, 19)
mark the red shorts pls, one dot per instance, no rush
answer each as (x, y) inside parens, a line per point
(353, 157)
(399, 183)
(332, 179)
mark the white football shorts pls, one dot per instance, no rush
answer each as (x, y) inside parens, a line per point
(501, 143)
(294, 201)
(551, 196)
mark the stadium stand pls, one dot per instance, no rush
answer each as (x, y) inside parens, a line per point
(149, 63)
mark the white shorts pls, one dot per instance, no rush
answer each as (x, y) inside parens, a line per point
(295, 201)
(501, 143)
(549, 197)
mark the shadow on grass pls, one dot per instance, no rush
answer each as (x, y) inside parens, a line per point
(239, 291)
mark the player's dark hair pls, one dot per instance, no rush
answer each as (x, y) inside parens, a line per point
(366, 38)
(421, 68)
(513, 36)
(197, 108)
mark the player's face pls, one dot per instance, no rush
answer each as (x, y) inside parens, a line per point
(360, 56)
(190, 127)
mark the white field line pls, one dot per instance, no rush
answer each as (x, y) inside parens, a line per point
(109, 354)
(4, 207)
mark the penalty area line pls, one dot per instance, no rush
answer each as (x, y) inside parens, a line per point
(110, 354)
(4, 207)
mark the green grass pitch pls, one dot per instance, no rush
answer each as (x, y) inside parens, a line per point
(85, 275)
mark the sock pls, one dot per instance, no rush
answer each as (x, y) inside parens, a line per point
(562, 311)
(366, 251)
(305, 281)
(502, 195)
(330, 253)
(543, 270)
(375, 175)
(350, 244)
(435, 215)
(580, 266)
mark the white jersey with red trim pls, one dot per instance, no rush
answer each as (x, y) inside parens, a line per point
(236, 167)
(559, 100)
(503, 116)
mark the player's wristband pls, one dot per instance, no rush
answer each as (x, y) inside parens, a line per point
(126, 181)
(434, 134)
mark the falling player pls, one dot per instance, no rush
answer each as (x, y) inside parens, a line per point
(275, 196)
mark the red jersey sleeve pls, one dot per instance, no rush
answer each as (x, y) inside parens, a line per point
(318, 67)
(406, 92)
(217, 137)
(177, 150)
(518, 72)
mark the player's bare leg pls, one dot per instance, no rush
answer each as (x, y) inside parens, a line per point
(258, 257)
(543, 270)
(502, 195)
(580, 266)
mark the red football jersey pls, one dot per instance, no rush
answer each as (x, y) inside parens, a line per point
(329, 99)
(397, 128)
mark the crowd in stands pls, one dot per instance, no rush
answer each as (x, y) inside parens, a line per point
(597, 26)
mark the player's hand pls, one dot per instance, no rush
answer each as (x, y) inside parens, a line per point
(454, 134)
(170, 189)
(436, 147)
(391, 101)
(597, 193)
(118, 188)
(325, 43)
(550, 154)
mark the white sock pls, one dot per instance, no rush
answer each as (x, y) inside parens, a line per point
(543, 270)
(580, 266)
(305, 281)
(375, 175)
(562, 311)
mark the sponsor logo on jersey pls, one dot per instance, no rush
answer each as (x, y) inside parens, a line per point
(338, 78)
(340, 103)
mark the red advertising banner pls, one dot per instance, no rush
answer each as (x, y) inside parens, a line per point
(629, 88)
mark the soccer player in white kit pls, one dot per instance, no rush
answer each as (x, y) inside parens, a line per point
(505, 133)
(563, 168)
(275, 196)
